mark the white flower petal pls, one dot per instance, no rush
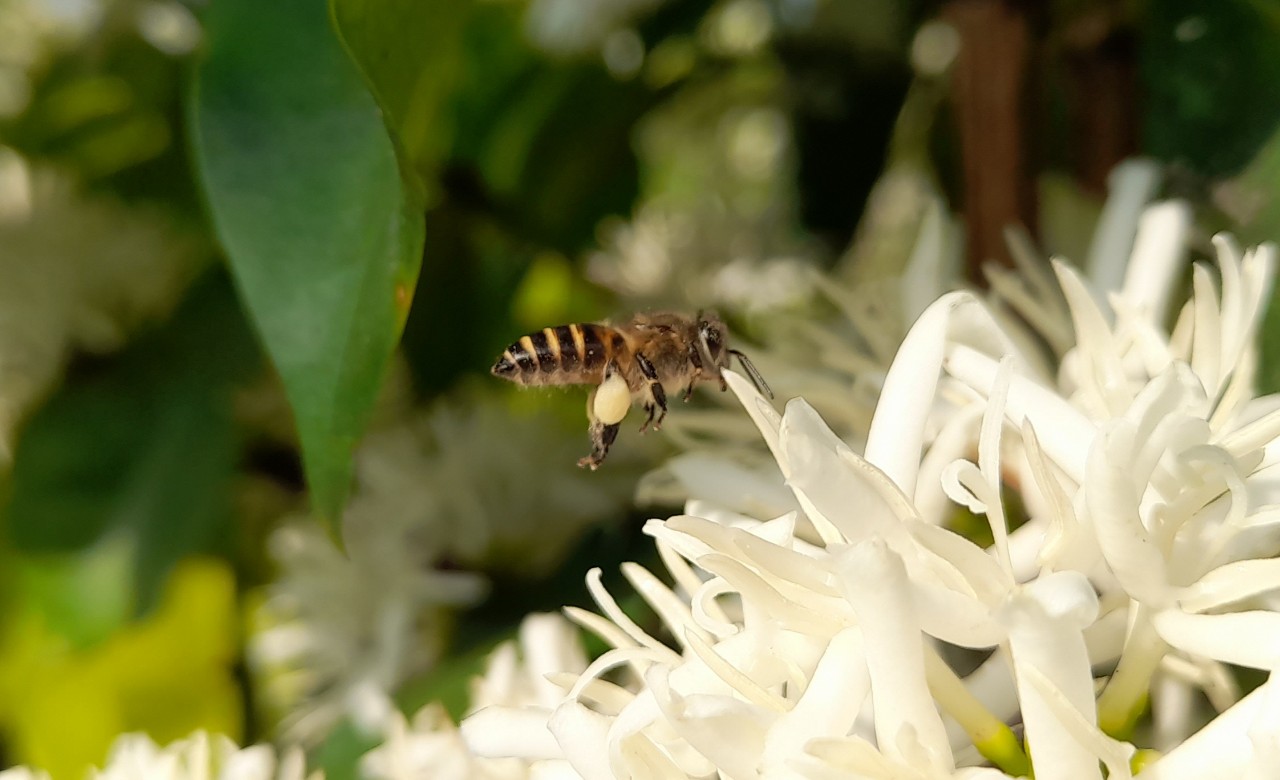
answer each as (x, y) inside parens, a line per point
(1158, 260)
(584, 736)
(1065, 433)
(875, 580)
(1132, 184)
(1220, 749)
(1045, 622)
(896, 438)
(510, 731)
(830, 703)
(1232, 582)
(761, 412)
(1241, 638)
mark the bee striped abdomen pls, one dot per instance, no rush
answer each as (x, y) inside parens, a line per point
(566, 346)
(565, 354)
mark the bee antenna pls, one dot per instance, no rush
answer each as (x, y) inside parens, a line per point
(750, 368)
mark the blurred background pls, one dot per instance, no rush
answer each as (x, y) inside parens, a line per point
(162, 565)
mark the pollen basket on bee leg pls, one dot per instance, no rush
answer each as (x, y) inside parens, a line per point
(613, 400)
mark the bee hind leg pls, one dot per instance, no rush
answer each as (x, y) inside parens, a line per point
(602, 436)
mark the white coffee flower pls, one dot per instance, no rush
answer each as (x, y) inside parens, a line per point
(517, 676)
(340, 630)
(462, 485)
(813, 644)
(198, 757)
(23, 773)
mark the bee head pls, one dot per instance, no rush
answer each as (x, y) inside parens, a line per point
(713, 340)
(713, 344)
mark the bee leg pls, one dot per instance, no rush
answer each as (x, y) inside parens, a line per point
(696, 361)
(601, 437)
(655, 390)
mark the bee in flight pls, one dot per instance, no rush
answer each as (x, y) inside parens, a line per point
(643, 359)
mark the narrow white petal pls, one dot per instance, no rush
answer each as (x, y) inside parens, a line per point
(1206, 340)
(752, 490)
(1095, 362)
(1045, 623)
(830, 702)
(931, 261)
(1113, 504)
(896, 437)
(673, 610)
(875, 581)
(761, 412)
(1264, 733)
(506, 732)
(550, 644)
(1241, 638)
(1132, 184)
(853, 504)
(585, 737)
(605, 600)
(1232, 582)
(1220, 749)
(1114, 754)
(600, 626)
(728, 731)
(1065, 433)
(1158, 259)
(989, 460)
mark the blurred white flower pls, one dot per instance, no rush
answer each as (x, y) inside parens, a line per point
(568, 27)
(814, 644)
(199, 757)
(431, 748)
(463, 486)
(339, 631)
(82, 289)
(23, 773)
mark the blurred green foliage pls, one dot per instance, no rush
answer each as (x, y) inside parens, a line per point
(140, 451)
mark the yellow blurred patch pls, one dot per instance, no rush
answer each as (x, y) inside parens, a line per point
(167, 675)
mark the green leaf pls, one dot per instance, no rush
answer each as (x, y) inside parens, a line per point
(411, 54)
(1211, 80)
(142, 452)
(323, 236)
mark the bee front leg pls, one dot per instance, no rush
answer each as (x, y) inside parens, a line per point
(655, 390)
(695, 360)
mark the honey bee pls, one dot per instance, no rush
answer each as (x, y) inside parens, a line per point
(642, 360)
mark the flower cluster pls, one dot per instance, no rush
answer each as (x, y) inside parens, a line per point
(442, 495)
(856, 635)
(198, 757)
